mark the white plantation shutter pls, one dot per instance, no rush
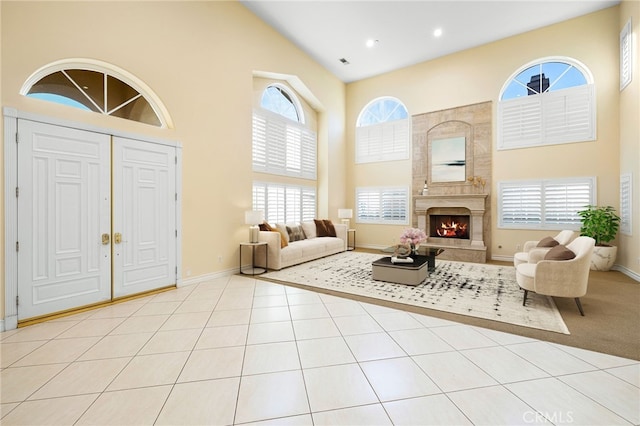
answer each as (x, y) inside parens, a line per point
(555, 117)
(382, 205)
(283, 147)
(562, 201)
(626, 55)
(520, 203)
(284, 203)
(386, 141)
(521, 122)
(626, 225)
(544, 204)
(568, 115)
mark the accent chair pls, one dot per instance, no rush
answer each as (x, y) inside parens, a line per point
(559, 278)
(563, 238)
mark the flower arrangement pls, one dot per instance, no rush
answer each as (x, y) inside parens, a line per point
(477, 180)
(413, 236)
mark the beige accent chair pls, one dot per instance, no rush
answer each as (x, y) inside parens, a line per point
(564, 238)
(559, 278)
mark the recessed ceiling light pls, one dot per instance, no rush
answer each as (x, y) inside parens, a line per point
(437, 32)
(372, 42)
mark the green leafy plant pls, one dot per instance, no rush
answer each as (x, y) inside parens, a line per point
(599, 223)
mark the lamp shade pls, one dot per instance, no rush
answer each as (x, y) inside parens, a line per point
(253, 217)
(345, 213)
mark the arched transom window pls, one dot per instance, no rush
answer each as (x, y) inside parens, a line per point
(277, 99)
(97, 87)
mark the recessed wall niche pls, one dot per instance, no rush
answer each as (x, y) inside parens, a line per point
(452, 153)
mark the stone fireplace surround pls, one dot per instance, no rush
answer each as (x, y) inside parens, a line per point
(466, 250)
(469, 197)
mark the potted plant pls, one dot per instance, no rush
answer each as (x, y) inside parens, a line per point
(601, 224)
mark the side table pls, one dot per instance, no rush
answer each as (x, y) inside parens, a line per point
(351, 246)
(255, 270)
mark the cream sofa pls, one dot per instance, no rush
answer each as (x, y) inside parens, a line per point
(311, 248)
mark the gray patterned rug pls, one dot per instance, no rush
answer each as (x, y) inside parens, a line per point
(474, 289)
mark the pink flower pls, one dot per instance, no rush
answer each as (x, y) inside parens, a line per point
(413, 236)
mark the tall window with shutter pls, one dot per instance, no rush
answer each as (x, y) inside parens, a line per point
(283, 145)
(626, 55)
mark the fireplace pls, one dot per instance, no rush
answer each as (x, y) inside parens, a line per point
(454, 222)
(449, 226)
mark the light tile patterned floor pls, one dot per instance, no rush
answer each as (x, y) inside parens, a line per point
(238, 350)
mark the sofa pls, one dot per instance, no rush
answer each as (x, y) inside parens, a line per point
(292, 244)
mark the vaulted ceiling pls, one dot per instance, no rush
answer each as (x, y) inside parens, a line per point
(401, 33)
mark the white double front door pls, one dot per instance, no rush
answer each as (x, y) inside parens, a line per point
(96, 218)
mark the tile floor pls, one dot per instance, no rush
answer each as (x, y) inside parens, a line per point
(238, 350)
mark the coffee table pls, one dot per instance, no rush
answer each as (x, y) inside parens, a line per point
(406, 273)
(400, 273)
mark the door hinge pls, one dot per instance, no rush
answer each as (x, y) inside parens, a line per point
(17, 138)
(17, 191)
(176, 233)
(17, 246)
(176, 196)
(17, 300)
(176, 159)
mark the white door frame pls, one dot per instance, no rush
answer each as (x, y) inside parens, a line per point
(11, 117)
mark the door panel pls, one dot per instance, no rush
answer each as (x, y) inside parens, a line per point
(63, 209)
(144, 214)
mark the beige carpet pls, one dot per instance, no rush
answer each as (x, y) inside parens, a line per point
(473, 289)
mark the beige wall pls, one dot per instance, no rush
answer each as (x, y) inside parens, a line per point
(199, 58)
(629, 246)
(477, 75)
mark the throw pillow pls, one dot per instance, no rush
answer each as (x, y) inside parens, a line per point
(547, 242)
(321, 228)
(295, 233)
(559, 252)
(309, 228)
(331, 230)
(266, 227)
(282, 229)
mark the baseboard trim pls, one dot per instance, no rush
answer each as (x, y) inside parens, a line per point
(628, 272)
(502, 258)
(208, 277)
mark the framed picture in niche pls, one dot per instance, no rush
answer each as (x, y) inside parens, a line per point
(448, 160)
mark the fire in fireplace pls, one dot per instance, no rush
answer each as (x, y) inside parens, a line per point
(449, 226)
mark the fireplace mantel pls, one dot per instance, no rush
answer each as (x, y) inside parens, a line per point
(474, 203)
(470, 201)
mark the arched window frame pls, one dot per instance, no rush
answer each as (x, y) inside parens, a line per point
(282, 146)
(291, 97)
(387, 140)
(103, 67)
(548, 118)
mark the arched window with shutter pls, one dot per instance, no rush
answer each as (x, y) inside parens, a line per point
(546, 102)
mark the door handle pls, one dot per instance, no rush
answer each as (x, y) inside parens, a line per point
(117, 238)
(105, 239)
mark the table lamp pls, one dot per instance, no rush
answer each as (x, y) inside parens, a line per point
(345, 215)
(253, 218)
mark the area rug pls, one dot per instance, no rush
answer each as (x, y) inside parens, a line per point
(474, 289)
